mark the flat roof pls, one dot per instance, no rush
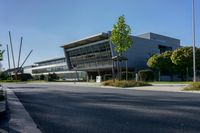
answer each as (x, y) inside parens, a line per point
(151, 33)
(90, 39)
(48, 60)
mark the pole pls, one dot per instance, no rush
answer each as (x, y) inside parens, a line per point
(12, 49)
(113, 71)
(19, 52)
(126, 70)
(8, 61)
(26, 59)
(12, 55)
(193, 29)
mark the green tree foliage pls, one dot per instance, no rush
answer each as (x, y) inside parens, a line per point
(146, 75)
(182, 57)
(42, 77)
(120, 36)
(52, 77)
(153, 62)
(166, 63)
(3, 76)
(161, 62)
(198, 58)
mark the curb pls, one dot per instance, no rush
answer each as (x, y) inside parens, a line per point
(2, 106)
(3, 102)
(20, 120)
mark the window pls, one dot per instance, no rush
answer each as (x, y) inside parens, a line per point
(164, 48)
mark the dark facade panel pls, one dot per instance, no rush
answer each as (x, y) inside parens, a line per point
(90, 56)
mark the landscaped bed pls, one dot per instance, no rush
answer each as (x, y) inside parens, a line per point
(193, 87)
(125, 83)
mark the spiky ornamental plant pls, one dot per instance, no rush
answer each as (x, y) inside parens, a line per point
(120, 36)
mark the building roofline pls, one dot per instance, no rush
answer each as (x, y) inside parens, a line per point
(86, 40)
(49, 60)
(157, 34)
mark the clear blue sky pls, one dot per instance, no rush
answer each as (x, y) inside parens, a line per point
(47, 24)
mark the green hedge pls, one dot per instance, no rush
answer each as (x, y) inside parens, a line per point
(129, 75)
(146, 75)
(125, 83)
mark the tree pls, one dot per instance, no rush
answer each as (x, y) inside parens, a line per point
(120, 36)
(182, 57)
(42, 77)
(52, 77)
(162, 63)
(198, 58)
(121, 39)
(153, 62)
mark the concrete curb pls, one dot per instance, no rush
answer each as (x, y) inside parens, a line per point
(20, 120)
(2, 106)
(3, 102)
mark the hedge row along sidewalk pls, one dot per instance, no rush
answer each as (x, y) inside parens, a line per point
(125, 83)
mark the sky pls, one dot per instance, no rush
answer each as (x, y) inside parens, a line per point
(47, 24)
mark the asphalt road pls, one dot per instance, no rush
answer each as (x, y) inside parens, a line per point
(70, 109)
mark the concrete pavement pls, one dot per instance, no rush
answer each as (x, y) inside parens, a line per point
(20, 120)
(154, 87)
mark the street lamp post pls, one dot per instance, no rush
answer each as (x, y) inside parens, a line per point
(193, 30)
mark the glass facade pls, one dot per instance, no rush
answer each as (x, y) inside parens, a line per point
(164, 48)
(92, 56)
(57, 61)
(50, 69)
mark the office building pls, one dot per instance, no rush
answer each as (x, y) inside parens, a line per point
(57, 66)
(94, 53)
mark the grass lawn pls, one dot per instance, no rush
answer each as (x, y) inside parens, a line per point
(193, 87)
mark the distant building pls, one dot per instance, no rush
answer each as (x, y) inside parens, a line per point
(57, 66)
(94, 53)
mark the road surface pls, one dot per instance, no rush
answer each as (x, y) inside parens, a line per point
(72, 109)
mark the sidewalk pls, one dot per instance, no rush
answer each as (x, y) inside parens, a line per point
(154, 87)
(20, 120)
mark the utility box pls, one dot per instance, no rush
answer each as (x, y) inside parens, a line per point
(98, 79)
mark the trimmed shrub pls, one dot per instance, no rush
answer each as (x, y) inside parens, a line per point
(52, 77)
(107, 76)
(146, 75)
(3, 76)
(130, 75)
(25, 77)
(193, 87)
(42, 77)
(125, 83)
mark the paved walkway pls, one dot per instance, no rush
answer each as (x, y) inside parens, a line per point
(20, 120)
